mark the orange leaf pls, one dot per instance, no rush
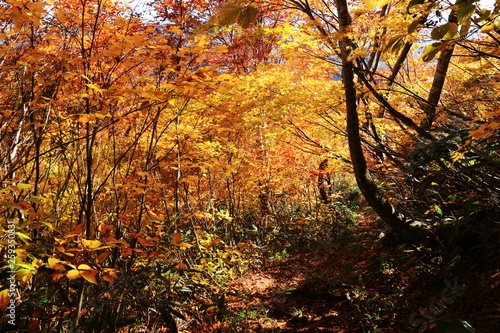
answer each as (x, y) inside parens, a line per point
(62, 249)
(34, 325)
(57, 276)
(21, 253)
(73, 274)
(53, 262)
(145, 242)
(215, 241)
(126, 251)
(78, 229)
(181, 266)
(244, 245)
(111, 271)
(90, 275)
(108, 278)
(103, 229)
(102, 257)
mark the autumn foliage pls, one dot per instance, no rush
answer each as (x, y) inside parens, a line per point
(148, 159)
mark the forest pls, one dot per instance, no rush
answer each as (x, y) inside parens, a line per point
(250, 166)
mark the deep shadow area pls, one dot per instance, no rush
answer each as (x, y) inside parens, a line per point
(366, 286)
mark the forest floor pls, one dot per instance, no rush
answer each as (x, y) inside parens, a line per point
(362, 285)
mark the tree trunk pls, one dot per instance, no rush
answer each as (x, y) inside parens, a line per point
(438, 82)
(324, 182)
(367, 186)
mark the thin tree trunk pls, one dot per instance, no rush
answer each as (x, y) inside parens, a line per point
(438, 82)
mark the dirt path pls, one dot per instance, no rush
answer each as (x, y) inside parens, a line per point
(358, 286)
(310, 292)
(296, 295)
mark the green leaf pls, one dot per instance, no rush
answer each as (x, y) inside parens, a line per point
(483, 15)
(25, 238)
(465, 11)
(395, 43)
(430, 51)
(24, 186)
(464, 29)
(415, 2)
(452, 31)
(439, 32)
(413, 26)
(438, 210)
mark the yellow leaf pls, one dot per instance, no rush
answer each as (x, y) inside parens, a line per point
(73, 274)
(4, 299)
(84, 119)
(382, 3)
(488, 27)
(24, 186)
(25, 265)
(456, 156)
(225, 77)
(101, 115)
(91, 244)
(84, 267)
(95, 87)
(37, 263)
(21, 253)
(186, 245)
(176, 30)
(112, 271)
(372, 4)
(48, 224)
(221, 49)
(25, 274)
(53, 262)
(203, 40)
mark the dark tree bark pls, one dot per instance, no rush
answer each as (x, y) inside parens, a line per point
(367, 186)
(324, 182)
(444, 60)
(265, 206)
